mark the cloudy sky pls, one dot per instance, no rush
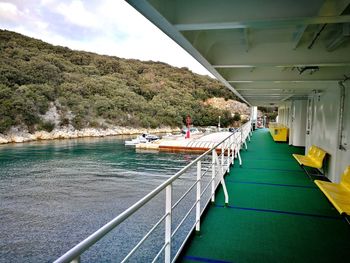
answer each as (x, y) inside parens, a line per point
(109, 27)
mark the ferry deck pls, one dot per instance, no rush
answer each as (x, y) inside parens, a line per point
(276, 213)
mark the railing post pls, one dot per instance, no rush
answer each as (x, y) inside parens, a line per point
(237, 151)
(229, 154)
(244, 140)
(222, 158)
(246, 135)
(198, 198)
(168, 204)
(241, 135)
(213, 176)
(233, 155)
(225, 190)
(233, 149)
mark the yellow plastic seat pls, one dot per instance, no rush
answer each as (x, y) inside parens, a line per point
(279, 132)
(338, 194)
(314, 157)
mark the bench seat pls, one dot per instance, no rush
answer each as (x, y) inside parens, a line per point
(314, 157)
(338, 194)
(279, 132)
(305, 160)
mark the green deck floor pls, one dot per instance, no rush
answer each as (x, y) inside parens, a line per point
(275, 213)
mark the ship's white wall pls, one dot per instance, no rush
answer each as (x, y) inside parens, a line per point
(298, 127)
(322, 111)
(280, 115)
(254, 115)
(284, 112)
(291, 130)
(285, 115)
(293, 115)
(309, 121)
(325, 125)
(343, 156)
(324, 130)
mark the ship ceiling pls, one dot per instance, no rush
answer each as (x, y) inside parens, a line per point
(266, 52)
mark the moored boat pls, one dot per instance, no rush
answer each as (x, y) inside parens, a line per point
(143, 138)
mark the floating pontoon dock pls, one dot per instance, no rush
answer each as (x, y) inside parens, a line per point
(197, 143)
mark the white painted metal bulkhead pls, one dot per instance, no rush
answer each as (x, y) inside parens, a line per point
(316, 122)
(324, 128)
(343, 155)
(298, 127)
(284, 113)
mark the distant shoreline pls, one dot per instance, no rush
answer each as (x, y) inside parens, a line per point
(17, 136)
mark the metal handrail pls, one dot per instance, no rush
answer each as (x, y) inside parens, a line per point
(144, 238)
(159, 253)
(184, 195)
(74, 253)
(184, 218)
(206, 171)
(207, 186)
(92, 239)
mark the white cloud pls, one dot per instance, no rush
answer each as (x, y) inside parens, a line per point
(47, 2)
(113, 26)
(41, 25)
(8, 11)
(76, 13)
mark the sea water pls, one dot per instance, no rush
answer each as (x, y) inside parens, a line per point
(53, 194)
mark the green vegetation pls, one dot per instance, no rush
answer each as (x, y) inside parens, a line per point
(270, 112)
(91, 90)
(236, 117)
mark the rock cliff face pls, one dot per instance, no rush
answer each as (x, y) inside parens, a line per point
(18, 136)
(230, 105)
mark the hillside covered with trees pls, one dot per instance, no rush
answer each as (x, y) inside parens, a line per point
(90, 90)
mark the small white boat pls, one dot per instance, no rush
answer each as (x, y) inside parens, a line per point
(192, 130)
(143, 138)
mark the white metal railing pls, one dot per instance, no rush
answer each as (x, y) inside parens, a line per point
(209, 170)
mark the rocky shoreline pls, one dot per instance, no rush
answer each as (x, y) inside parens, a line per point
(18, 136)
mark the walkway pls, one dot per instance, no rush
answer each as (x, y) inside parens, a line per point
(275, 214)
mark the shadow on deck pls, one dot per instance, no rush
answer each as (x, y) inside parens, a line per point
(275, 213)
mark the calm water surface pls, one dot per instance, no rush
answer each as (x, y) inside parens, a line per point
(53, 194)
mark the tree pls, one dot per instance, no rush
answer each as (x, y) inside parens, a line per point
(236, 117)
